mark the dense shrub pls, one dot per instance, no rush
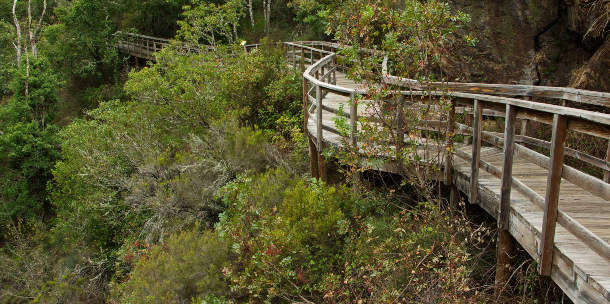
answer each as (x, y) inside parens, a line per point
(285, 230)
(187, 266)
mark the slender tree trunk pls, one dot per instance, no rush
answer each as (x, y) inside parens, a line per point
(251, 13)
(17, 45)
(36, 30)
(267, 11)
(27, 74)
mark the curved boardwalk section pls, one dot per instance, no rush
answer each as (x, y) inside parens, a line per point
(560, 215)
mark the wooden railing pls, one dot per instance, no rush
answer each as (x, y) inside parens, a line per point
(318, 80)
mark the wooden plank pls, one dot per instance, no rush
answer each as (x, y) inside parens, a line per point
(476, 150)
(560, 131)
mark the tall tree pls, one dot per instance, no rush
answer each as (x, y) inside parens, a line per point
(31, 38)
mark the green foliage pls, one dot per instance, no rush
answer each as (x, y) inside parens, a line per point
(187, 266)
(268, 91)
(186, 86)
(28, 142)
(132, 169)
(285, 231)
(312, 15)
(80, 42)
(208, 23)
(7, 56)
(411, 257)
(309, 242)
(157, 18)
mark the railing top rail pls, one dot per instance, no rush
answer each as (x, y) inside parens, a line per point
(532, 105)
(122, 34)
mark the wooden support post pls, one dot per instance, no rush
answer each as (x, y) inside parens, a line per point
(506, 242)
(449, 150)
(549, 221)
(321, 161)
(454, 200)
(313, 158)
(322, 164)
(476, 150)
(506, 249)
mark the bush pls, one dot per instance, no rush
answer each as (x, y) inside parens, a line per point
(187, 266)
(286, 231)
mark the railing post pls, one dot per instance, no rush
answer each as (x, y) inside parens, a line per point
(450, 135)
(549, 221)
(294, 58)
(506, 242)
(476, 150)
(321, 161)
(400, 133)
(313, 151)
(607, 173)
(311, 56)
(353, 114)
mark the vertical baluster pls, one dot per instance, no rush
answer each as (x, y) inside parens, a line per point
(321, 161)
(313, 151)
(400, 133)
(311, 56)
(294, 58)
(606, 172)
(476, 150)
(353, 111)
(450, 135)
(505, 240)
(560, 131)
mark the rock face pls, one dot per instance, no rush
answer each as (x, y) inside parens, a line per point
(539, 42)
(588, 18)
(596, 74)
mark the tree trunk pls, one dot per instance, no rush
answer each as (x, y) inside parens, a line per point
(267, 12)
(17, 45)
(251, 13)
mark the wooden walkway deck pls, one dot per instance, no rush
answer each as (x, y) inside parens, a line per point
(578, 270)
(578, 255)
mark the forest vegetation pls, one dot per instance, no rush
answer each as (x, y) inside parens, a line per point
(186, 181)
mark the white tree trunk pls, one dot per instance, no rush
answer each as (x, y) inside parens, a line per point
(17, 44)
(267, 10)
(251, 13)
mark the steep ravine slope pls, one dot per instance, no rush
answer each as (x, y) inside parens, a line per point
(539, 42)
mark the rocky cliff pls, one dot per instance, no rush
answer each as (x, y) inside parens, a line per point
(539, 42)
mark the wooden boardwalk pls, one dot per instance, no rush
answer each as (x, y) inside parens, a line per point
(578, 270)
(559, 215)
